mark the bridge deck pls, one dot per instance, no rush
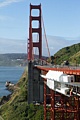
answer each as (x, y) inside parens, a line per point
(66, 70)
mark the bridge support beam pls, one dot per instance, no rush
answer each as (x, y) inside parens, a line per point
(45, 91)
(52, 104)
(49, 108)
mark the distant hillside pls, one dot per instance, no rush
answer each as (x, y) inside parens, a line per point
(13, 59)
(69, 53)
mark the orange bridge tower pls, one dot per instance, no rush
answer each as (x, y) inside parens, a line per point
(35, 83)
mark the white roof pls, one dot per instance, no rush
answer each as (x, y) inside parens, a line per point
(55, 75)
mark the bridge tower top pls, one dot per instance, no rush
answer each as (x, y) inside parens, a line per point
(32, 29)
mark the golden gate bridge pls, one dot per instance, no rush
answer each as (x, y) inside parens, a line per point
(38, 88)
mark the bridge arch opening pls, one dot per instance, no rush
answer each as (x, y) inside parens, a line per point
(35, 12)
(35, 24)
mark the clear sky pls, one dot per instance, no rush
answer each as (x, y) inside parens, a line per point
(61, 18)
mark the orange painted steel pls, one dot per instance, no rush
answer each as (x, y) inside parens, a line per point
(45, 110)
(32, 30)
(52, 105)
(65, 70)
(65, 110)
(69, 107)
(62, 112)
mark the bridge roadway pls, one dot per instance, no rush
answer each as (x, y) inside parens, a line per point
(66, 69)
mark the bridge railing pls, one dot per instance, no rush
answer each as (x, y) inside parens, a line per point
(43, 62)
(66, 66)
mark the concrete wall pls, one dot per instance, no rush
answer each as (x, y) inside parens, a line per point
(35, 84)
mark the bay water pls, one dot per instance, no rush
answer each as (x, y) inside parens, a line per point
(11, 74)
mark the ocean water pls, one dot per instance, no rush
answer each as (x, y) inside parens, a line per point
(12, 74)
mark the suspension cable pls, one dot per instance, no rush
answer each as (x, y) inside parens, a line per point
(45, 36)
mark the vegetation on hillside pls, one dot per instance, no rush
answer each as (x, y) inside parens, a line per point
(70, 53)
(17, 107)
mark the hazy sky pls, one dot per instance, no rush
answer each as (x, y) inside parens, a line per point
(61, 18)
